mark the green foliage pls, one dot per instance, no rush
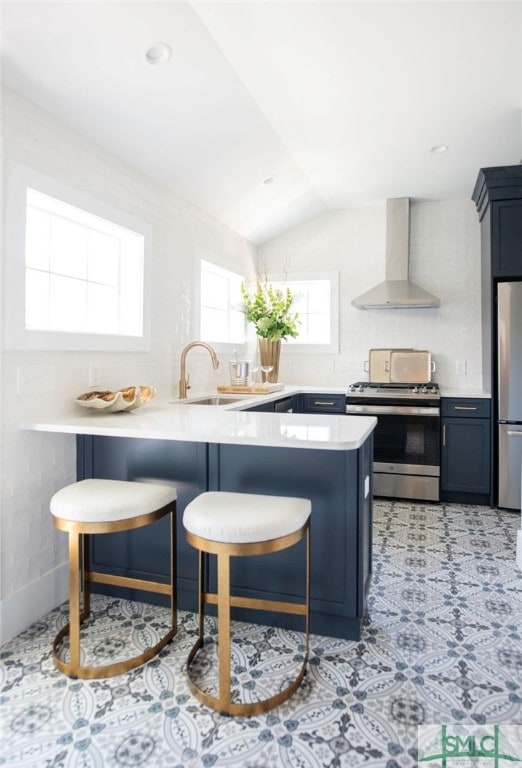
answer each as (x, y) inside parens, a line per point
(268, 308)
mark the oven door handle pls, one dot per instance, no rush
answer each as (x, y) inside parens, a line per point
(393, 410)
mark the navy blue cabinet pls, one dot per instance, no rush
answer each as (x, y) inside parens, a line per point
(498, 197)
(337, 482)
(465, 473)
(283, 405)
(312, 403)
(506, 238)
(262, 408)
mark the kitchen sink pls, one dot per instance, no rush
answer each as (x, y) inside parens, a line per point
(218, 400)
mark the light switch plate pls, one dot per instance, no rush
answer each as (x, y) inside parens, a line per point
(35, 379)
(94, 375)
(461, 367)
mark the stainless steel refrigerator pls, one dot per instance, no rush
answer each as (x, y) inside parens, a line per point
(509, 393)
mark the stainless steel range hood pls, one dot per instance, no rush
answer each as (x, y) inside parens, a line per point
(397, 291)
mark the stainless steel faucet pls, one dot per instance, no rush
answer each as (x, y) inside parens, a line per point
(184, 378)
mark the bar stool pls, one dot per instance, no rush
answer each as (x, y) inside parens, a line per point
(96, 506)
(235, 525)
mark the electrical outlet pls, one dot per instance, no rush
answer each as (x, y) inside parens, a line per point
(94, 375)
(35, 379)
(461, 367)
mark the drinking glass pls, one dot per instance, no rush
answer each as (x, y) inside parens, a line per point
(265, 369)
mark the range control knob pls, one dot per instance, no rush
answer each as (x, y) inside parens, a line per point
(424, 390)
(360, 388)
(415, 390)
(351, 388)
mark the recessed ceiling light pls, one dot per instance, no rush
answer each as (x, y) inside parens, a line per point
(158, 53)
(439, 149)
(269, 180)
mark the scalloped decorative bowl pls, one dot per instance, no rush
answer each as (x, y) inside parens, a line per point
(126, 399)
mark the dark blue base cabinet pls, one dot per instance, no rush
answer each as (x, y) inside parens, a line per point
(341, 527)
(465, 472)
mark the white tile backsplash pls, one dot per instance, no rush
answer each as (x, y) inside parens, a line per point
(444, 259)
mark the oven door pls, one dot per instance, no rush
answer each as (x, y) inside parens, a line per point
(406, 449)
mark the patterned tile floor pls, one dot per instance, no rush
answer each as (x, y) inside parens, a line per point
(442, 644)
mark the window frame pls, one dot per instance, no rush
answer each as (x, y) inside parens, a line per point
(225, 347)
(294, 346)
(16, 335)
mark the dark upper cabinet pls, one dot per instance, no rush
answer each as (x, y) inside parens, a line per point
(506, 238)
(465, 471)
(498, 197)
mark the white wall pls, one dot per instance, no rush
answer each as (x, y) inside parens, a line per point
(444, 259)
(34, 465)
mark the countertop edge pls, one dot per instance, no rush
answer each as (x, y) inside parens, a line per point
(230, 424)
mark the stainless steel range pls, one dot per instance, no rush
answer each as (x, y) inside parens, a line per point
(407, 436)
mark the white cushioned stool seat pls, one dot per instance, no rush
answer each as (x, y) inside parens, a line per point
(98, 501)
(244, 518)
(228, 525)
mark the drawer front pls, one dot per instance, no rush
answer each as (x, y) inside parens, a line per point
(472, 407)
(324, 403)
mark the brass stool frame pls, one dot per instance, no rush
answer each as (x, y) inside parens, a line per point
(80, 578)
(225, 601)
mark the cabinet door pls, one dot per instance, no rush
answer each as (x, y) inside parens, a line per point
(262, 408)
(506, 238)
(465, 456)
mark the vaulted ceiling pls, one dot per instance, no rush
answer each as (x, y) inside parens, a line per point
(334, 103)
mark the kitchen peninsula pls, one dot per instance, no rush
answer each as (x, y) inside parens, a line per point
(326, 458)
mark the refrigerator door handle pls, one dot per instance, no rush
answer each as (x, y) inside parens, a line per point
(514, 433)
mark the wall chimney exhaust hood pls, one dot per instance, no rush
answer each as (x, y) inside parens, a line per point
(397, 291)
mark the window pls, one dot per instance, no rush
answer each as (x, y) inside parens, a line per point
(221, 318)
(317, 304)
(82, 273)
(77, 269)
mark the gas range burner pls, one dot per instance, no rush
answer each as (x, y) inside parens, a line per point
(374, 389)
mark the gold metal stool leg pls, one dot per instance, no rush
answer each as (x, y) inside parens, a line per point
(86, 584)
(224, 631)
(225, 601)
(80, 575)
(74, 600)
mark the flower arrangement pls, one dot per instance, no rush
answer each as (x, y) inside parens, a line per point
(269, 309)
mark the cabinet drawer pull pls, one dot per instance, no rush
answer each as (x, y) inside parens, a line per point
(443, 435)
(465, 408)
(323, 402)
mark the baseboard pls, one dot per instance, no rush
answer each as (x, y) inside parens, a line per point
(30, 603)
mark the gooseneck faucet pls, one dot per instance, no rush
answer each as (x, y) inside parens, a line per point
(184, 378)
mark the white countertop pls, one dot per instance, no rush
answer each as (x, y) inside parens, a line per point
(216, 424)
(464, 393)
